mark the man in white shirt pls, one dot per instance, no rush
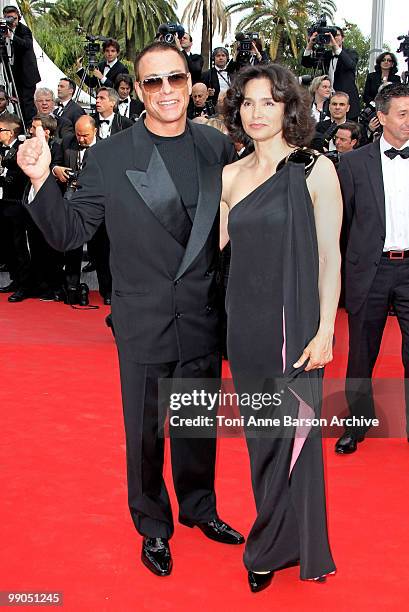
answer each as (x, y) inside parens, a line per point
(218, 78)
(375, 186)
(107, 70)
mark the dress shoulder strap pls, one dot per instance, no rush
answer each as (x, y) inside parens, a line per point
(305, 156)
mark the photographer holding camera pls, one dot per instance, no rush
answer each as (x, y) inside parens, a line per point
(22, 61)
(108, 69)
(337, 61)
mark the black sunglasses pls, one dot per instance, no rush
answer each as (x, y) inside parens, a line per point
(155, 83)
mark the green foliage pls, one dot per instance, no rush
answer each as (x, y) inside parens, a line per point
(282, 24)
(60, 42)
(135, 21)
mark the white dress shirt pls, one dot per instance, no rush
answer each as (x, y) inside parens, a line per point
(224, 79)
(395, 174)
(105, 128)
(124, 107)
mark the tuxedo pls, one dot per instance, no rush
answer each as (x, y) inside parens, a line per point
(118, 124)
(344, 75)
(71, 112)
(372, 280)
(24, 68)
(92, 81)
(163, 302)
(134, 108)
(210, 79)
(195, 66)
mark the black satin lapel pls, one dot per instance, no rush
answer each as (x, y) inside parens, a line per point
(158, 191)
(207, 208)
(374, 167)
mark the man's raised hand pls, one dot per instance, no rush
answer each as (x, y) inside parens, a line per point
(34, 158)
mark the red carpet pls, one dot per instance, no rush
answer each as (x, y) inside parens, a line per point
(64, 520)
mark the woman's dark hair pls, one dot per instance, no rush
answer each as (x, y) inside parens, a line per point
(393, 69)
(298, 123)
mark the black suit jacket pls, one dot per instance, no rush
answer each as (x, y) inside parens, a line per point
(344, 77)
(119, 123)
(93, 82)
(13, 183)
(372, 84)
(72, 112)
(360, 175)
(164, 298)
(25, 70)
(210, 79)
(195, 66)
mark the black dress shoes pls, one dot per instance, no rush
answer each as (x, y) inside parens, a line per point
(258, 582)
(156, 556)
(19, 295)
(9, 288)
(217, 530)
(347, 444)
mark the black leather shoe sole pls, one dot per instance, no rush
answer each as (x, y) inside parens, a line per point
(259, 582)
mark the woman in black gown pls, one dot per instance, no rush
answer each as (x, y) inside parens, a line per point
(281, 304)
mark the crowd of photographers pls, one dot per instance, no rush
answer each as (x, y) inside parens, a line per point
(343, 122)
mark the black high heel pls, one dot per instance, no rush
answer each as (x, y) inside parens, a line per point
(259, 582)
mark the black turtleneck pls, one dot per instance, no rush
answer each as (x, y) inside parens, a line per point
(179, 156)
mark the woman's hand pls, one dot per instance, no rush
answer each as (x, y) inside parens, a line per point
(318, 352)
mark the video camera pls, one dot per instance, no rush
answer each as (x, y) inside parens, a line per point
(5, 23)
(404, 45)
(323, 32)
(92, 48)
(245, 46)
(168, 32)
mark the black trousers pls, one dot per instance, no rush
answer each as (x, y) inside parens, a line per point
(72, 267)
(390, 286)
(98, 250)
(47, 263)
(193, 459)
(13, 220)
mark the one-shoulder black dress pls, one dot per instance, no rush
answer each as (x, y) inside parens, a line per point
(273, 312)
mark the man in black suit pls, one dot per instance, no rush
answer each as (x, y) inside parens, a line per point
(218, 78)
(12, 214)
(127, 106)
(375, 187)
(158, 187)
(106, 71)
(74, 158)
(194, 60)
(67, 108)
(44, 100)
(107, 119)
(325, 130)
(108, 122)
(340, 65)
(23, 61)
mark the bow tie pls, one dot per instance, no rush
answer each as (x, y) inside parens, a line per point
(126, 101)
(392, 153)
(6, 148)
(104, 121)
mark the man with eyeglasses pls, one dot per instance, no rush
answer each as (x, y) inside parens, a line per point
(157, 186)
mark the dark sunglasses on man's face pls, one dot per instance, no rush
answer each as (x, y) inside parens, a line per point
(153, 84)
